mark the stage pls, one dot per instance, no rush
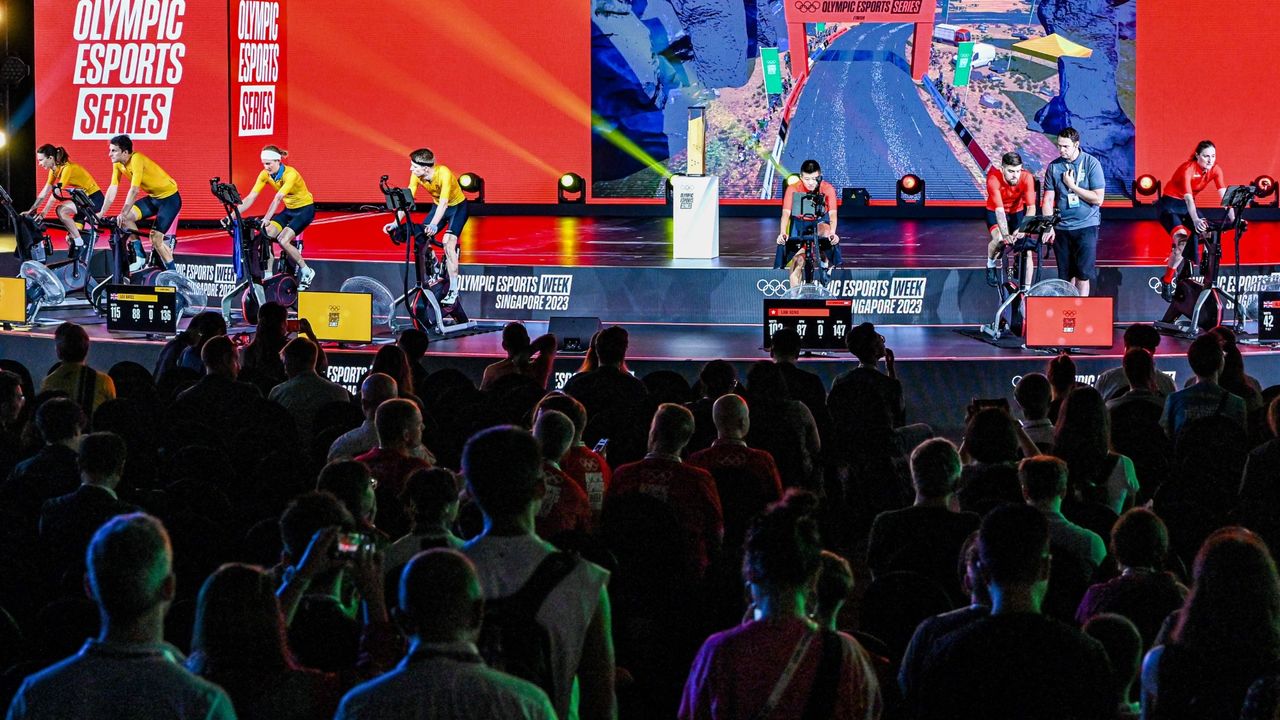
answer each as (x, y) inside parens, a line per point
(919, 280)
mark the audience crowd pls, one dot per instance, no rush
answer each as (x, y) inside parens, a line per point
(233, 535)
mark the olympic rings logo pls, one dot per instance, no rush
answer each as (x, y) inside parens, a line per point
(1154, 283)
(772, 288)
(807, 7)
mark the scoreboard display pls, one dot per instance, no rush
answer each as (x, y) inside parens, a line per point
(147, 309)
(822, 324)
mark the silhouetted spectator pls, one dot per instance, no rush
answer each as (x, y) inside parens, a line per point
(84, 385)
(51, 472)
(564, 507)
(431, 499)
(320, 550)
(375, 389)
(807, 387)
(260, 360)
(12, 400)
(1115, 383)
(746, 479)
(1205, 398)
(239, 643)
(689, 491)
(783, 427)
(1144, 592)
(617, 402)
(442, 606)
(414, 342)
(218, 398)
(204, 327)
(1139, 372)
(391, 361)
(305, 392)
(587, 467)
(1082, 439)
(717, 378)
(399, 426)
(1016, 663)
(926, 537)
(1226, 635)
(532, 359)
(1044, 484)
(351, 483)
(67, 523)
(1062, 380)
(1123, 644)
(1032, 393)
(736, 671)
(929, 633)
(991, 451)
(502, 466)
(128, 668)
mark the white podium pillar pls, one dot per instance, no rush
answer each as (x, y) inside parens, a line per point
(695, 207)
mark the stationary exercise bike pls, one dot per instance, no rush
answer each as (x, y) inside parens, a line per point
(120, 255)
(820, 255)
(1200, 305)
(1019, 276)
(423, 300)
(254, 260)
(33, 245)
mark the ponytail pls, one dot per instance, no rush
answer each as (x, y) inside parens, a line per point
(58, 153)
(1201, 147)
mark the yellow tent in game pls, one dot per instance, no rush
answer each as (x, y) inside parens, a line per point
(1051, 47)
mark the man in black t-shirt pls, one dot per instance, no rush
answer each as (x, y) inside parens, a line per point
(1017, 663)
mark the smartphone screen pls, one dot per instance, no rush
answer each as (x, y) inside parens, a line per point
(292, 325)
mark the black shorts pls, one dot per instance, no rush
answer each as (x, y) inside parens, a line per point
(1174, 215)
(96, 198)
(454, 219)
(1013, 220)
(296, 220)
(164, 210)
(1077, 253)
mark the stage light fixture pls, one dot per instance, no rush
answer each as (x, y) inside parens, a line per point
(792, 179)
(1267, 195)
(472, 184)
(1146, 188)
(13, 70)
(911, 190)
(571, 184)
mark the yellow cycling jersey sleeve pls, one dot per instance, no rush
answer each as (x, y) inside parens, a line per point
(296, 194)
(442, 180)
(74, 175)
(144, 173)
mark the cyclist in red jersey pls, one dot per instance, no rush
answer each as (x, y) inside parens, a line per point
(1177, 207)
(1010, 193)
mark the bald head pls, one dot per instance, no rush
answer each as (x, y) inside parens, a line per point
(376, 389)
(440, 596)
(731, 416)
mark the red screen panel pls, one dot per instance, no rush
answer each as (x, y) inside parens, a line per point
(1054, 322)
(156, 71)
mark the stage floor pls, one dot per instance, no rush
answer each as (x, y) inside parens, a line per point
(941, 369)
(744, 242)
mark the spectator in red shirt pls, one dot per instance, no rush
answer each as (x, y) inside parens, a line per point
(564, 505)
(690, 491)
(1010, 192)
(747, 480)
(586, 466)
(781, 663)
(399, 424)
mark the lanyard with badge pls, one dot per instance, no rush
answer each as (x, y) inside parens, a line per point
(1073, 200)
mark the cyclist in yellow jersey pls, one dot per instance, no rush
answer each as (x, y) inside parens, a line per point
(299, 207)
(162, 201)
(69, 175)
(450, 209)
